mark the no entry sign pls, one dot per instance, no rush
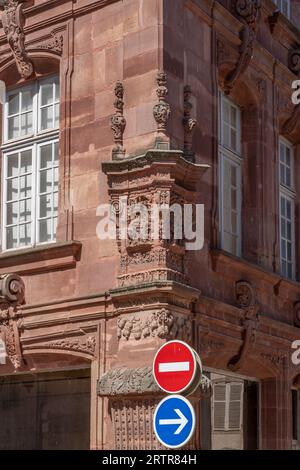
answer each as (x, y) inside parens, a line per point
(176, 367)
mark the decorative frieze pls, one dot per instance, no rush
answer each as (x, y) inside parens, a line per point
(13, 25)
(124, 381)
(86, 345)
(118, 122)
(162, 324)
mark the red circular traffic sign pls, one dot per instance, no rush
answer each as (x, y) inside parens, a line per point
(175, 366)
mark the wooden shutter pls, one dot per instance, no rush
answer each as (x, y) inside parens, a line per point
(235, 406)
(219, 404)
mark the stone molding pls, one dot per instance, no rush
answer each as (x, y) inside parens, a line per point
(124, 381)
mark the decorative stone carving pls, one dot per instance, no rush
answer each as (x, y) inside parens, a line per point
(11, 296)
(162, 324)
(126, 381)
(246, 299)
(189, 124)
(248, 12)
(118, 122)
(13, 24)
(55, 44)
(294, 60)
(86, 345)
(162, 110)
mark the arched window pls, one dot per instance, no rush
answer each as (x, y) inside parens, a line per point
(30, 164)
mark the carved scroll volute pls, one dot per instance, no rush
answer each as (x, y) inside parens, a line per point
(294, 60)
(248, 12)
(13, 25)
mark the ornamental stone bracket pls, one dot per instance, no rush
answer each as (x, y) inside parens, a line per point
(247, 12)
(11, 296)
(246, 300)
(13, 21)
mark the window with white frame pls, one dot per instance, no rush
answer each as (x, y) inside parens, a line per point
(287, 209)
(284, 6)
(230, 179)
(30, 164)
(227, 403)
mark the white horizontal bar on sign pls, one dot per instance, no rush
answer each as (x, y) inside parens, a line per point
(174, 367)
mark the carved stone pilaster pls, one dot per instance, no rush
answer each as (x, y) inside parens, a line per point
(247, 11)
(11, 296)
(189, 124)
(13, 24)
(246, 299)
(162, 110)
(118, 122)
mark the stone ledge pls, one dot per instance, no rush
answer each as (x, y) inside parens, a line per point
(41, 259)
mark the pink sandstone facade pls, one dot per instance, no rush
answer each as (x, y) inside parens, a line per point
(139, 82)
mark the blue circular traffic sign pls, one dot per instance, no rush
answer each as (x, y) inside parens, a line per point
(174, 421)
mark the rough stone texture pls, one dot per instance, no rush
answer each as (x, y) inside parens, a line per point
(77, 292)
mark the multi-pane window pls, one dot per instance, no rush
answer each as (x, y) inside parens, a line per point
(287, 209)
(227, 406)
(230, 176)
(284, 6)
(30, 165)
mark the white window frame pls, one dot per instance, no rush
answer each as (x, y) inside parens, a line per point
(233, 158)
(32, 142)
(288, 193)
(278, 3)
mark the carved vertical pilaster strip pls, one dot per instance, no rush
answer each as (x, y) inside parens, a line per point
(189, 124)
(118, 122)
(162, 111)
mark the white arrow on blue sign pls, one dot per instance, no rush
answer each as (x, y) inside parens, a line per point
(174, 421)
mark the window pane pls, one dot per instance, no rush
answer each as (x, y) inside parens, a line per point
(12, 213)
(46, 156)
(45, 230)
(45, 181)
(12, 165)
(25, 235)
(45, 206)
(55, 202)
(12, 237)
(13, 127)
(54, 226)
(226, 136)
(25, 186)
(26, 162)
(47, 118)
(55, 178)
(57, 90)
(26, 100)
(56, 151)
(233, 117)
(25, 210)
(26, 124)
(13, 104)
(12, 189)
(46, 94)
